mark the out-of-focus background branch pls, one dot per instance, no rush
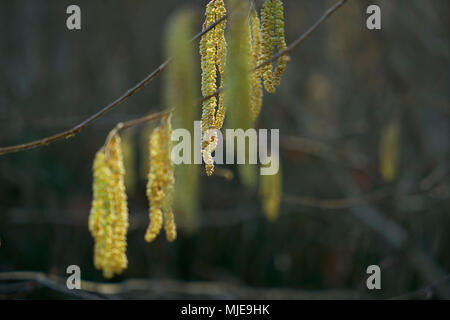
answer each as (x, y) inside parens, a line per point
(339, 213)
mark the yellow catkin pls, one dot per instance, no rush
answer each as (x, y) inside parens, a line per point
(208, 52)
(267, 36)
(160, 182)
(119, 197)
(270, 191)
(280, 42)
(169, 225)
(257, 92)
(213, 50)
(108, 220)
(388, 151)
(102, 207)
(220, 59)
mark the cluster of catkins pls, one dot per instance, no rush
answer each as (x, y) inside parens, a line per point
(242, 67)
(265, 36)
(108, 219)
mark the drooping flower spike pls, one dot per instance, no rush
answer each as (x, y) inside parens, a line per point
(108, 220)
(160, 185)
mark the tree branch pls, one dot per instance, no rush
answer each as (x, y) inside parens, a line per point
(169, 288)
(305, 35)
(294, 44)
(132, 91)
(129, 93)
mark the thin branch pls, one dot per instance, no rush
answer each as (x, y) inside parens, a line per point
(75, 130)
(169, 288)
(231, 217)
(305, 35)
(320, 149)
(52, 282)
(72, 132)
(129, 93)
(338, 204)
(136, 122)
(394, 234)
(294, 44)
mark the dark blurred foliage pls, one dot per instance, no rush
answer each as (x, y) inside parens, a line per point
(343, 85)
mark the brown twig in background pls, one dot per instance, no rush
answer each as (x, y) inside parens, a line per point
(170, 288)
(338, 204)
(72, 132)
(75, 130)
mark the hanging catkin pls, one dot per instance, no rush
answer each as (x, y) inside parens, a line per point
(389, 151)
(208, 50)
(120, 216)
(220, 59)
(257, 92)
(280, 42)
(272, 31)
(267, 35)
(238, 94)
(108, 220)
(129, 161)
(99, 218)
(160, 183)
(180, 87)
(213, 54)
(270, 190)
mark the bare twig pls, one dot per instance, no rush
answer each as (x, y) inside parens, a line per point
(169, 288)
(305, 35)
(130, 92)
(338, 204)
(229, 217)
(52, 282)
(394, 234)
(72, 132)
(322, 150)
(294, 44)
(75, 130)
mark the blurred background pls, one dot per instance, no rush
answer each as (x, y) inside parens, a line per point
(351, 99)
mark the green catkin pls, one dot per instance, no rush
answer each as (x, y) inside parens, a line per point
(144, 161)
(247, 172)
(280, 42)
(180, 86)
(129, 161)
(267, 35)
(238, 96)
(270, 191)
(257, 92)
(389, 151)
(238, 93)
